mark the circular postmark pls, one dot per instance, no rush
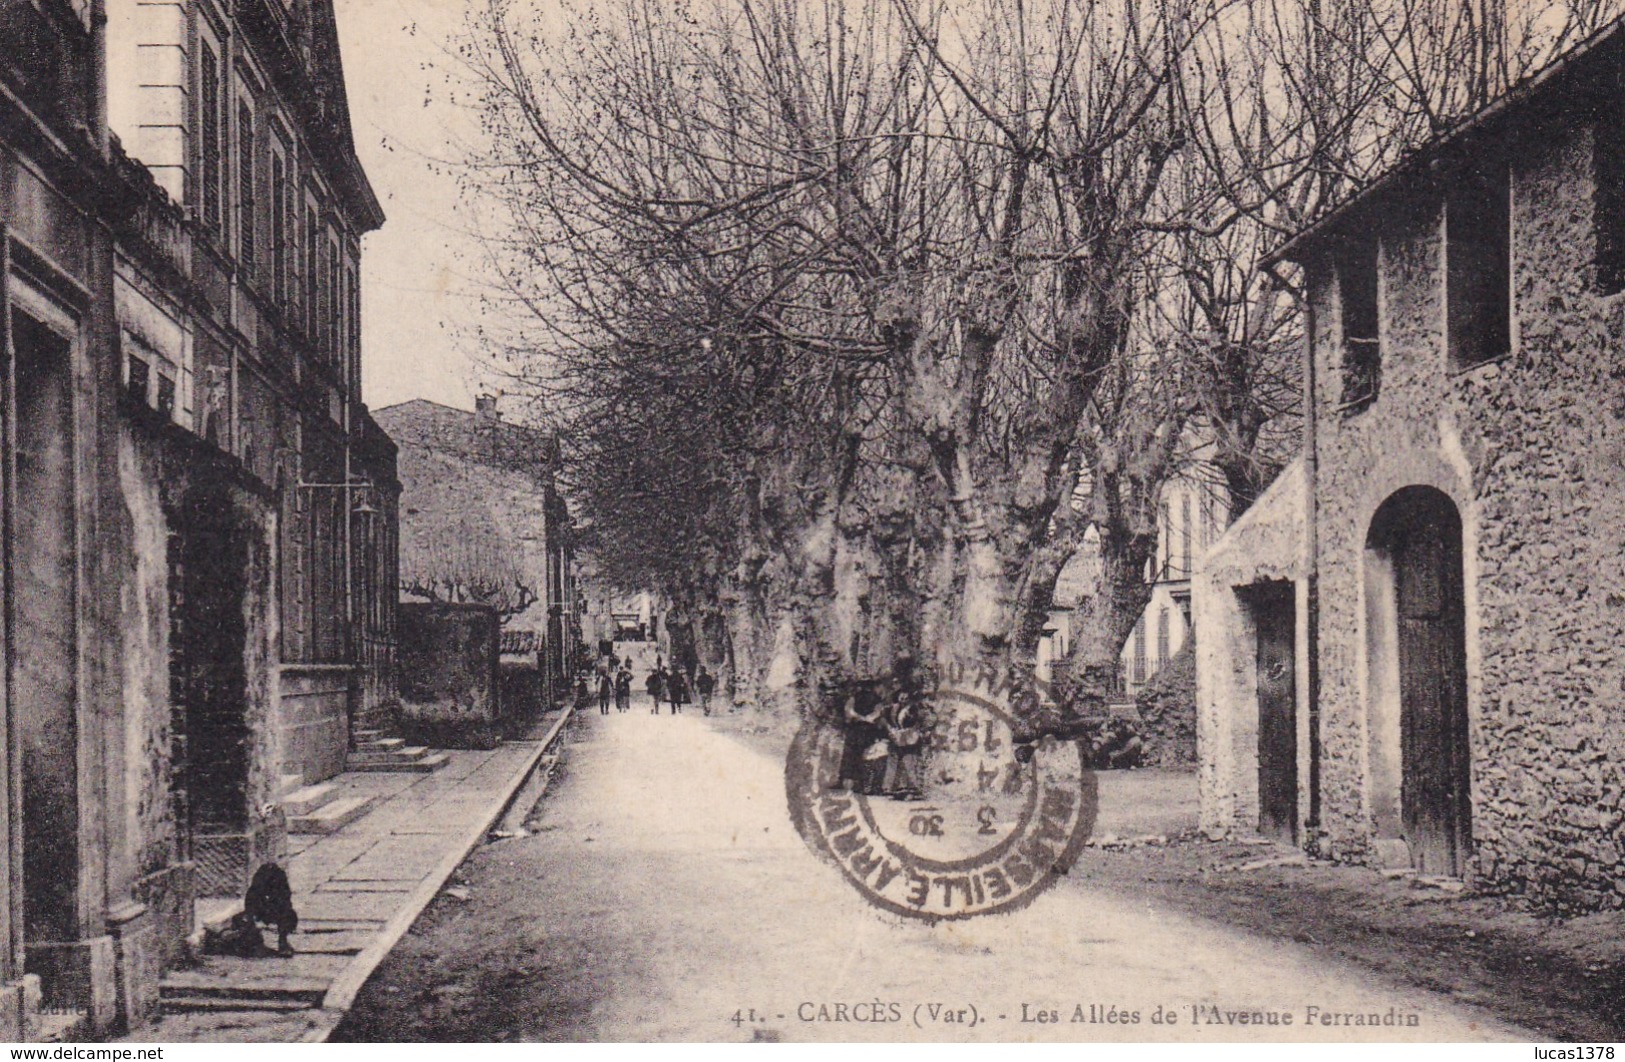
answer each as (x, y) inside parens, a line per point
(939, 813)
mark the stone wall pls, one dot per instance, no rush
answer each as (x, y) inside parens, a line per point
(1262, 546)
(1531, 450)
(314, 729)
(450, 692)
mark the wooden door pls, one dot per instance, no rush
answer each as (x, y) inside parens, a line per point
(1434, 797)
(1275, 614)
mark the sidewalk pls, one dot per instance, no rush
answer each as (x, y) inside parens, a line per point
(357, 891)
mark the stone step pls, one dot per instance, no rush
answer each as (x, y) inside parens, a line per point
(365, 735)
(187, 1004)
(404, 754)
(227, 993)
(420, 765)
(380, 744)
(336, 942)
(287, 783)
(330, 817)
(307, 799)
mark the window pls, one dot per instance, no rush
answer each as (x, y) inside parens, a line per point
(353, 329)
(209, 135)
(1478, 252)
(246, 199)
(1185, 533)
(279, 228)
(1165, 538)
(1609, 156)
(1362, 351)
(1137, 666)
(1162, 637)
(307, 267)
(154, 377)
(332, 328)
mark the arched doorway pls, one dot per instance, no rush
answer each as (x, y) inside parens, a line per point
(1418, 658)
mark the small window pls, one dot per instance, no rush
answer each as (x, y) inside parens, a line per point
(166, 396)
(1362, 349)
(139, 379)
(1478, 252)
(1609, 159)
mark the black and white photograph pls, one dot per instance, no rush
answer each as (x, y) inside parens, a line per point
(805, 521)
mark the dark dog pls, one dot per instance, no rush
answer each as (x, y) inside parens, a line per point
(269, 902)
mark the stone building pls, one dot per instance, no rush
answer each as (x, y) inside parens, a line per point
(199, 582)
(1191, 514)
(482, 521)
(1411, 649)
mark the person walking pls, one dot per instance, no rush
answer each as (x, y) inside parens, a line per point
(705, 684)
(605, 688)
(678, 688)
(656, 685)
(623, 689)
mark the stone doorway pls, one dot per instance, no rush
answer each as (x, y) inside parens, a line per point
(1417, 685)
(1273, 608)
(43, 676)
(208, 574)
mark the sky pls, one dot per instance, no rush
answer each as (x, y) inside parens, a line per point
(416, 291)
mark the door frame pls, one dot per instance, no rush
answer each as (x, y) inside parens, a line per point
(1389, 770)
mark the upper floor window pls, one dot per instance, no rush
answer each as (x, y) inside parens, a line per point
(247, 176)
(1362, 325)
(1478, 254)
(334, 327)
(310, 269)
(1185, 529)
(279, 226)
(209, 134)
(1609, 165)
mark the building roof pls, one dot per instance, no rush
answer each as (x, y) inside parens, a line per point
(1551, 85)
(475, 498)
(472, 436)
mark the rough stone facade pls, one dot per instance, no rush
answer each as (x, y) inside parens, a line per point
(1527, 445)
(183, 472)
(1261, 548)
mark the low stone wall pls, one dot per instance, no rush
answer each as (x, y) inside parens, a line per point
(315, 730)
(449, 681)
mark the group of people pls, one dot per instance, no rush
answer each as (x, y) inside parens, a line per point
(613, 680)
(676, 686)
(884, 734)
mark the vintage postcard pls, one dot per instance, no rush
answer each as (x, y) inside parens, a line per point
(900, 521)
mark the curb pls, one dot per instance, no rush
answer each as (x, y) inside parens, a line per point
(342, 992)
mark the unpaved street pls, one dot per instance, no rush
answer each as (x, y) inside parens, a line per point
(665, 896)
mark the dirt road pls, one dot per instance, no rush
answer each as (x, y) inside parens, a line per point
(665, 896)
